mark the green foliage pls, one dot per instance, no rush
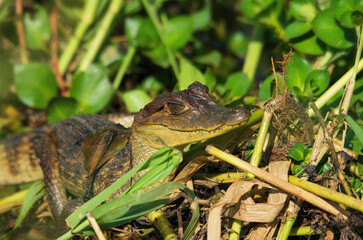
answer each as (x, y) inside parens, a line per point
(301, 154)
(189, 74)
(35, 84)
(92, 89)
(135, 100)
(60, 109)
(37, 29)
(329, 31)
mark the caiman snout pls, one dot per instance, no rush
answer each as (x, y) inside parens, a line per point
(238, 115)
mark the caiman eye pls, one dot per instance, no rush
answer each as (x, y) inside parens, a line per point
(177, 108)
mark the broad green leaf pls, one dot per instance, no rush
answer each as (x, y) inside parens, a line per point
(211, 81)
(297, 152)
(147, 36)
(296, 29)
(237, 43)
(60, 109)
(346, 12)
(158, 56)
(132, 28)
(35, 84)
(212, 58)
(135, 99)
(265, 89)
(35, 192)
(238, 84)
(251, 9)
(92, 89)
(309, 44)
(37, 29)
(189, 74)
(297, 71)
(202, 18)
(328, 30)
(317, 82)
(303, 9)
(177, 31)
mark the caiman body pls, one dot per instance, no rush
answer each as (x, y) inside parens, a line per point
(60, 153)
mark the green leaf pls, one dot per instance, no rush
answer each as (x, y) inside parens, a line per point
(237, 43)
(35, 84)
(252, 9)
(303, 9)
(60, 109)
(189, 74)
(328, 30)
(318, 81)
(212, 58)
(35, 192)
(265, 89)
(177, 31)
(132, 28)
(238, 84)
(297, 71)
(202, 18)
(347, 11)
(211, 81)
(135, 99)
(297, 152)
(309, 44)
(92, 89)
(147, 36)
(356, 128)
(37, 29)
(296, 29)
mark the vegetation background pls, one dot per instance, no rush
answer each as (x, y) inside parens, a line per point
(61, 58)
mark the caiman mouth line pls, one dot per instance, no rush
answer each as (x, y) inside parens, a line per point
(222, 127)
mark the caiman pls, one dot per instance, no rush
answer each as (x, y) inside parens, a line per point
(57, 153)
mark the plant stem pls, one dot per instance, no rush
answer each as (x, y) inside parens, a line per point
(125, 64)
(100, 36)
(328, 193)
(260, 141)
(87, 19)
(20, 28)
(303, 231)
(162, 224)
(236, 229)
(278, 182)
(255, 160)
(158, 28)
(350, 85)
(323, 99)
(254, 51)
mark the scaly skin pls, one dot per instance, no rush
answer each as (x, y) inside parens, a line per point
(56, 153)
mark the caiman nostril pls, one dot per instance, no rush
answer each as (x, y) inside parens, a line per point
(239, 113)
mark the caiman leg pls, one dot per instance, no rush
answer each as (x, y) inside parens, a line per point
(55, 192)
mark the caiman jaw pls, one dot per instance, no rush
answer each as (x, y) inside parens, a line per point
(159, 136)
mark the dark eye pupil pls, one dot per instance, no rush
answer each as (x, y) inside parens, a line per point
(175, 108)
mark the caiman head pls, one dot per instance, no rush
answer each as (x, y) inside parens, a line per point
(177, 119)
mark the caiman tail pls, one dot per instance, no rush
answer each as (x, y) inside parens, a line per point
(18, 160)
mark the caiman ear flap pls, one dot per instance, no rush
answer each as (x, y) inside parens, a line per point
(99, 147)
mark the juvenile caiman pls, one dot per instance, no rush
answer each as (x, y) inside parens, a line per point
(57, 153)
